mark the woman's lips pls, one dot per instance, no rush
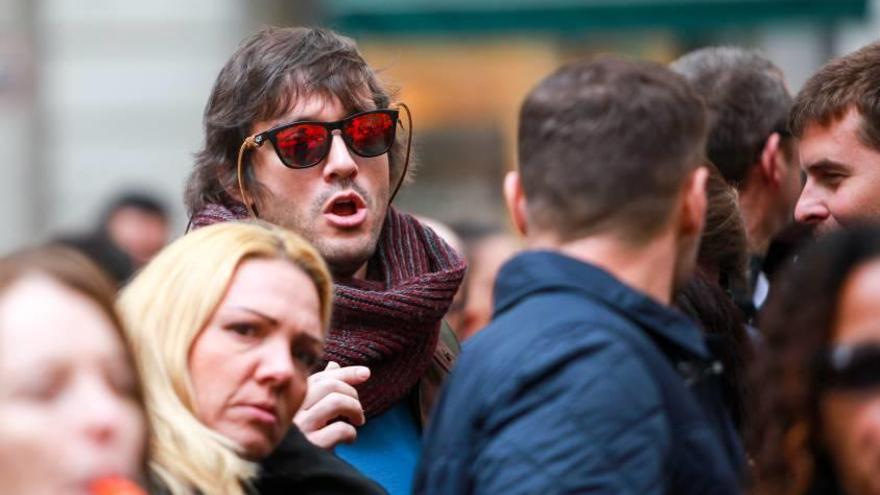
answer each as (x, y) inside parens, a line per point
(262, 413)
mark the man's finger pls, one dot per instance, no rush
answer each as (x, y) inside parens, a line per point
(352, 375)
(333, 434)
(327, 409)
(319, 390)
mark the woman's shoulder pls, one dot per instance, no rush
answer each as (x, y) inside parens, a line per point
(298, 465)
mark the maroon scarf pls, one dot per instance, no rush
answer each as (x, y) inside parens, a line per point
(389, 322)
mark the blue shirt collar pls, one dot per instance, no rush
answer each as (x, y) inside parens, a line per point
(539, 271)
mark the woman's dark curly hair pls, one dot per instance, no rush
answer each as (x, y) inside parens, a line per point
(784, 434)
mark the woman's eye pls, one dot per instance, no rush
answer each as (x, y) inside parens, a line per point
(308, 358)
(124, 384)
(243, 329)
(44, 389)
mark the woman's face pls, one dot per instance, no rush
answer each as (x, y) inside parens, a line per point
(68, 410)
(851, 419)
(250, 363)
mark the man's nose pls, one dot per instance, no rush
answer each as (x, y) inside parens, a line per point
(810, 207)
(340, 162)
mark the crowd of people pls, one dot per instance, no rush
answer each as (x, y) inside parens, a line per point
(304, 335)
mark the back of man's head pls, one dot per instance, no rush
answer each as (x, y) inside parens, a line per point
(747, 101)
(845, 83)
(606, 146)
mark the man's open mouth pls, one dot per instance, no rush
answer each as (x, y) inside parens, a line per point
(344, 207)
(346, 210)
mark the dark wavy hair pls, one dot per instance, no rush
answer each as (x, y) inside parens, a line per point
(268, 72)
(784, 434)
(707, 296)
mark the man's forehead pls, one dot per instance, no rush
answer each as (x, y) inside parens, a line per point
(319, 107)
(831, 141)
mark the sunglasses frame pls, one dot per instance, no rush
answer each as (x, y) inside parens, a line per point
(271, 135)
(250, 143)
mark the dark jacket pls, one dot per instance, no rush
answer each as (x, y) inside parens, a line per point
(580, 385)
(447, 350)
(299, 467)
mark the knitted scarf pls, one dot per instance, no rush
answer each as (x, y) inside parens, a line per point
(390, 321)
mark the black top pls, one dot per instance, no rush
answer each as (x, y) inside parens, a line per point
(298, 466)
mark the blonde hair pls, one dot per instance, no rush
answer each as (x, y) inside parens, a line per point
(164, 308)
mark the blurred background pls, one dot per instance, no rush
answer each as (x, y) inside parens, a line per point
(103, 97)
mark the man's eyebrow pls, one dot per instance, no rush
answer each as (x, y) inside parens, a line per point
(311, 117)
(259, 314)
(284, 119)
(826, 164)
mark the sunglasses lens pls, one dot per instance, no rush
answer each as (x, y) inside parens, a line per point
(370, 134)
(859, 370)
(303, 145)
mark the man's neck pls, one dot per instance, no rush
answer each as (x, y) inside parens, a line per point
(753, 206)
(343, 276)
(649, 268)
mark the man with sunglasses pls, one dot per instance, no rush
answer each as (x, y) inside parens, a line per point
(300, 132)
(586, 381)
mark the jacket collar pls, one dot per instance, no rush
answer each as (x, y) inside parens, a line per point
(532, 272)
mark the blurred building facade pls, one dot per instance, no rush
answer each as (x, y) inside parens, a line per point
(105, 95)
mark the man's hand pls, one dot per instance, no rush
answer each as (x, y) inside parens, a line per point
(331, 409)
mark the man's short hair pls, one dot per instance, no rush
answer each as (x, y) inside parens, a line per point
(137, 200)
(270, 71)
(747, 100)
(606, 145)
(851, 81)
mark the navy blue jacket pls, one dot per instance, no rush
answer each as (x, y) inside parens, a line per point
(580, 385)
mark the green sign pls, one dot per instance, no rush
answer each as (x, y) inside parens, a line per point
(450, 17)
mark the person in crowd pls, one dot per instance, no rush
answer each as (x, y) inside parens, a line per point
(138, 224)
(836, 117)
(226, 324)
(487, 249)
(815, 427)
(132, 229)
(72, 420)
(748, 103)
(708, 295)
(586, 380)
(300, 132)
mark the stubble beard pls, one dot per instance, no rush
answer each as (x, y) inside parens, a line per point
(344, 255)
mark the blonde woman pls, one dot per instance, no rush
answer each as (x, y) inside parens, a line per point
(226, 324)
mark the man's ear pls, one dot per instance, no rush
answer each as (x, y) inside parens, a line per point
(515, 201)
(693, 203)
(772, 164)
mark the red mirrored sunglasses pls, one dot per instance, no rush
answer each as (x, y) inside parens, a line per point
(305, 143)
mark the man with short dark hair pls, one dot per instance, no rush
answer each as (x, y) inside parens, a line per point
(836, 117)
(138, 224)
(749, 142)
(300, 132)
(586, 381)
